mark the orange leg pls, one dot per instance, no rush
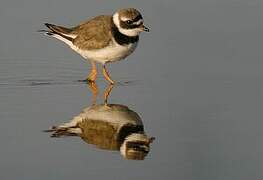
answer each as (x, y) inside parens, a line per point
(107, 93)
(106, 74)
(93, 74)
(95, 91)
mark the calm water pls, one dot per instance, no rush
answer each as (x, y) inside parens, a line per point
(196, 81)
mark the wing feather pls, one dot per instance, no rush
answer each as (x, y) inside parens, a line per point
(93, 34)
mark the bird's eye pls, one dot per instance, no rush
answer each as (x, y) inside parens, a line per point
(129, 22)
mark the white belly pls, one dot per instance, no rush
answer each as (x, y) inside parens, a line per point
(111, 53)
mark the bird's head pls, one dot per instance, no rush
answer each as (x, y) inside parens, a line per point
(136, 146)
(129, 22)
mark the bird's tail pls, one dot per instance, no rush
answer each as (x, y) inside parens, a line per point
(62, 33)
(58, 131)
(59, 29)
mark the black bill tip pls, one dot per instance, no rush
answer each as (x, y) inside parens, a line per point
(146, 29)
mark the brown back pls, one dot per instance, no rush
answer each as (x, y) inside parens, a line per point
(93, 34)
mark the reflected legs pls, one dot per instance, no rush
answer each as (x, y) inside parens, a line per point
(95, 91)
(107, 93)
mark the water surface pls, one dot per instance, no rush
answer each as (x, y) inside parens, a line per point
(195, 80)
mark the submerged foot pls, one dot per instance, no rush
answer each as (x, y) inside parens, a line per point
(87, 80)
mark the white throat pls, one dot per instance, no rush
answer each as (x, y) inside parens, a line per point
(127, 32)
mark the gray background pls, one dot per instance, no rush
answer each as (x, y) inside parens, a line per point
(196, 81)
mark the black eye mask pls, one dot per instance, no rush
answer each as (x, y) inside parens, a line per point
(137, 146)
(129, 23)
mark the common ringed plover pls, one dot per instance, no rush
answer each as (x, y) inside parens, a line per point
(109, 127)
(103, 39)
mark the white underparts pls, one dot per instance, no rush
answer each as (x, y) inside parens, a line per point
(68, 42)
(113, 52)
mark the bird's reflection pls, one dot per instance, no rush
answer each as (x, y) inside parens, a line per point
(109, 127)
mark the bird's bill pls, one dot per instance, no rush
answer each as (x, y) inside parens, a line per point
(144, 28)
